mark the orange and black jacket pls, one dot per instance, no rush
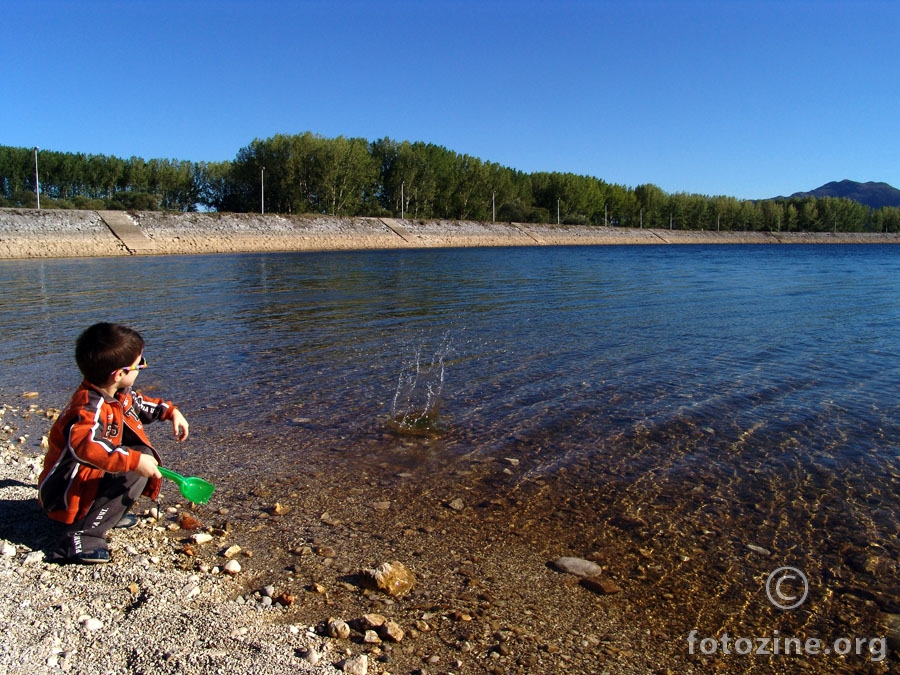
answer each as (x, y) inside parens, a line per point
(91, 438)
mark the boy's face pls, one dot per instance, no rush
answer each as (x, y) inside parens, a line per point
(129, 374)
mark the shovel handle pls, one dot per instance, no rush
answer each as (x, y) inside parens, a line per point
(171, 475)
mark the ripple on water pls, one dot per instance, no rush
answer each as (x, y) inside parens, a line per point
(665, 409)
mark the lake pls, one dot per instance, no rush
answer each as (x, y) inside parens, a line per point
(735, 407)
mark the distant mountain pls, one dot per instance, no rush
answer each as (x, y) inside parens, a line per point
(874, 195)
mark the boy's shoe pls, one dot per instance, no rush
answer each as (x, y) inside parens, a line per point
(128, 520)
(79, 548)
(96, 557)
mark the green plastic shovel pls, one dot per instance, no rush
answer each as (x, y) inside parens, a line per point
(191, 487)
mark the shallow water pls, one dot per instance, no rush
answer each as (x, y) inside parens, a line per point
(698, 398)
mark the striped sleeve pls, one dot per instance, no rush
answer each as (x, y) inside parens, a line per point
(86, 440)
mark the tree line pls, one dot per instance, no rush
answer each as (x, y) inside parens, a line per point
(307, 173)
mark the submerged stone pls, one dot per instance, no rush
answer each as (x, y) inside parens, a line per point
(577, 566)
(600, 585)
(392, 578)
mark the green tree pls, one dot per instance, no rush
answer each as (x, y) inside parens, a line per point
(345, 173)
(654, 205)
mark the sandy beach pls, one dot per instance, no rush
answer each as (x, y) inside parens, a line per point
(30, 233)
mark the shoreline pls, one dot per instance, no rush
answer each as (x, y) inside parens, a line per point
(489, 595)
(168, 603)
(31, 233)
(150, 610)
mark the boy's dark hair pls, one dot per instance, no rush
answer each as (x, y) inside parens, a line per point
(104, 348)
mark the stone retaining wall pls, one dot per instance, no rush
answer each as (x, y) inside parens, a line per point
(31, 233)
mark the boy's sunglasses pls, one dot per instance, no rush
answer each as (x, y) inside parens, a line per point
(128, 369)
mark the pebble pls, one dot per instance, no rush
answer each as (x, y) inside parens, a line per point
(759, 549)
(232, 567)
(391, 631)
(232, 551)
(392, 578)
(187, 522)
(7, 550)
(338, 628)
(368, 621)
(577, 566)
(358, 665)
(34, 558)
(601, 586)
(92, 624)
(328, 519)
(201, 537)
(278, 509)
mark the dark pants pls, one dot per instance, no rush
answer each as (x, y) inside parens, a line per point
(116, 494)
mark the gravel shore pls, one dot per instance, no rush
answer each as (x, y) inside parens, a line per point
(168, 603)
(147, 611)
(29, 233)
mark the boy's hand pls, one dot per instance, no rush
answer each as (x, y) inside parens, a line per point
(180, 425)
(147, 467)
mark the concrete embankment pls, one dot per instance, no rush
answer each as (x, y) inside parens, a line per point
(30, 233)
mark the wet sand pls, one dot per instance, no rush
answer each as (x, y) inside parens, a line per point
(29, 233)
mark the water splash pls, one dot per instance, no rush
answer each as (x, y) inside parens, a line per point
(416, 407)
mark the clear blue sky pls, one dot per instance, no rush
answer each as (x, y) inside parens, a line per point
(744, 98)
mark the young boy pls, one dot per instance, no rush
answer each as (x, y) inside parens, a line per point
(100, 460)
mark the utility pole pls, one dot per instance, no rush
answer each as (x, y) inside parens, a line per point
(493, 207)
(37, 185)
(402, 190)
(262, 190)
